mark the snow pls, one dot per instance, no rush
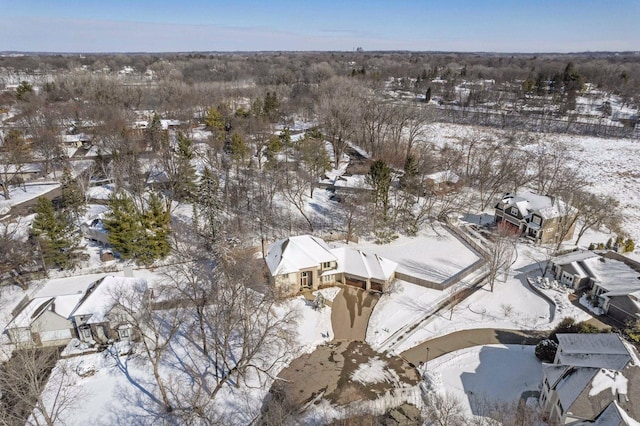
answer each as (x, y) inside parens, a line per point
(329, 293)
(26, 193)
(100, 192)
(434, 254)
(485, 373)
(374, 371)
(584, 301)
(609, 379)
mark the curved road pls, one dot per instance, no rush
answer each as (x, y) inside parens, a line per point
(467, 338)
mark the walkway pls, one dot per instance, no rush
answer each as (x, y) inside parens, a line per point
(468, 338)
(350, 313)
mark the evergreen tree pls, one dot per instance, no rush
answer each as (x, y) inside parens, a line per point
(379, 178)
(154, 241)
(238, 149)
(410, 181)
(123, 224)
(156, 137)
(209, 205)
(427, 96)
(186, 173)
(55, 234)
(213, 120)
(72, 197)
(270, 105)
(23, 90)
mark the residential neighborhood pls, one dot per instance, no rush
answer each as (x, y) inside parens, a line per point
(247, 229)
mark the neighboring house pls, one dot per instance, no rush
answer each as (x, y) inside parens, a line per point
(87, 309)
(594, 379)
(43, 319)
(443, 182)
(613, 284)
(537, 217)
(104, 314)
(307, 262)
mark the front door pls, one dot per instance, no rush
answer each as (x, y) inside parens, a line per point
(305, 279)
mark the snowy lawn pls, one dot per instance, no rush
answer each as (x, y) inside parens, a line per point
(122, 389)
(434, 254)
(483, 374)
(512, 305)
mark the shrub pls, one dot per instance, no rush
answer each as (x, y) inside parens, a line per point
(546, 350)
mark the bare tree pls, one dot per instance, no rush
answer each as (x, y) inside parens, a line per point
(443, 410)
(500, 256)
(14, 156)
(36, 390)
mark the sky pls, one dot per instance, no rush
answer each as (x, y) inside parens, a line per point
(252, 25)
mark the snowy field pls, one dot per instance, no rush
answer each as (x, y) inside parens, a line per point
(434, 254)
(609, 165)
(484, 374)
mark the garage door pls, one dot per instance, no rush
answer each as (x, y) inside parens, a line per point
(376, 287)
(356, 283)
(46, 336)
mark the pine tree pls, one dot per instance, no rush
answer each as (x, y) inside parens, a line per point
(238, 149)
(55, 234)
(427, 96)
(186, 173)
(209, 204)
(154, 241)
(72, 197)
(123, 225)
(156, 136)
(379, 178)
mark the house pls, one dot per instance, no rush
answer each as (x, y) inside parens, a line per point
(538, 217)
(594, 379)
(81, 307)
(307, 262)
(614, 285)
(443, 182)
(43, 319)
(104, 315)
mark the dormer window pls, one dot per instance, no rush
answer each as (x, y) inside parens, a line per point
(326, 265)
(514, 211)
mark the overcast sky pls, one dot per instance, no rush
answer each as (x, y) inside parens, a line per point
(200, 25)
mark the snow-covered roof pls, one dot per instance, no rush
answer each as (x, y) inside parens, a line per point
(614, 276)
(61, 305)
(553, 372)
(613, 415)
(296, 253)
(600, 350)
(363, 265)
(572, 384)
(529, 203)
(69, 285)
(574, 256)
(106, 295)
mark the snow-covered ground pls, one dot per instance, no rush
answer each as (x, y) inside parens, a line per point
(26, 193)
(434, 254)
(511, 305)
(121, 389)
(483, 374)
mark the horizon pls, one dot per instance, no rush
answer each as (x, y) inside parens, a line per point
(457, 26)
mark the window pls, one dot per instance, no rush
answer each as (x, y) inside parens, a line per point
(537, 220)
(514, 211)
(124, 333)
(326, 265)
(327, 278)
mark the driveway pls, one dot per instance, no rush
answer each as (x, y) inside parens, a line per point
(350, 313)
(467, 338)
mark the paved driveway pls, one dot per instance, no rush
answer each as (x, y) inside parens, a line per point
(468, 338)
(350, 313)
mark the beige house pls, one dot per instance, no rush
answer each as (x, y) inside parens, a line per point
(307, 262)
(595, 379)
(537, 217)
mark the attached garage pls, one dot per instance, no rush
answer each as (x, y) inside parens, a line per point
(355, 283)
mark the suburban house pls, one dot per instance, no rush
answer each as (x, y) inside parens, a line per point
(594, 379)
(443, 182)
(77, 307)
(613, 284)
(537, 217)
(307, 262)
(105, 313)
